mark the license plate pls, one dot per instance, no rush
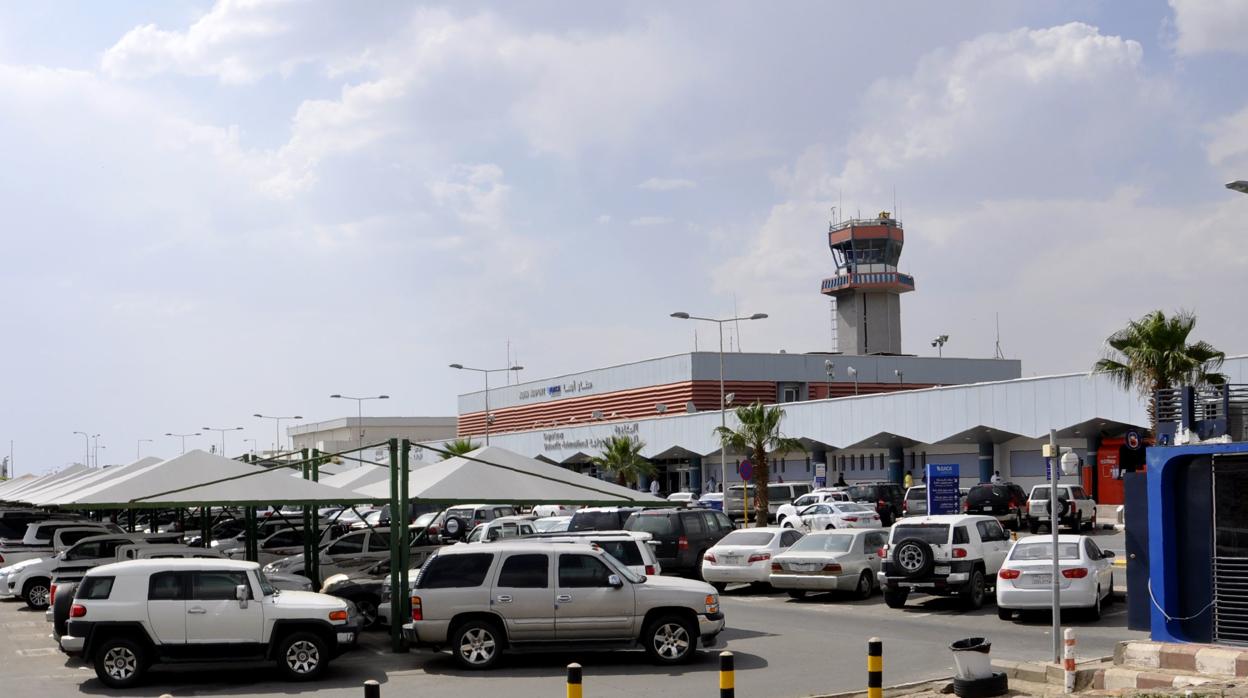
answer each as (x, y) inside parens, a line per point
(1042, 579)
(806, 566)
(346, 638)
(732, 559)
(943, 569)
(988, 509)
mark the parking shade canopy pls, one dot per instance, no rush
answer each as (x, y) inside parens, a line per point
(201, 478)
(50, 494)
(358, 477)
(16, 483)
(14, 493)
(495, 475)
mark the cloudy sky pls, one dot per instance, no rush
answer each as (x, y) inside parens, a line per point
(216, 209)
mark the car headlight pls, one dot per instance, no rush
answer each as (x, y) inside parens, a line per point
(712, 603)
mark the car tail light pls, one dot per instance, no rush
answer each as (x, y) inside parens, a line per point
(1075, 573)
(682, 544)
(850, 518)
(77, 611)
(777, 567)
(417, 612)
(905, 506)
(710, 557)
(881, 504)
(832, 567)
(650, 570)
(1, 558)
(966, 506)
(52, 595)
(1007, 573)
(337, 615)
(959, 552)
(759, 557)
(1028, 506)
(883, 551)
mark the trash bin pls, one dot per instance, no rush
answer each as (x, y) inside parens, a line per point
(971, 657)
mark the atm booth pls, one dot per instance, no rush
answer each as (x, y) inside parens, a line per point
(1116, 458)
(1187, 551)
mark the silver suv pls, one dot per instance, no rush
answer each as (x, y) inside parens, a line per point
(480, 600)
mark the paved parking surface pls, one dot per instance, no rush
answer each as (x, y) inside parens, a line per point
(783, 647)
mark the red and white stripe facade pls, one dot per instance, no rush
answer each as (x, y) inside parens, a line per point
(669, 386)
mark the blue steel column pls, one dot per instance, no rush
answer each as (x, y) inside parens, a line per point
(695, 474)
(895, 457)
(987, 452)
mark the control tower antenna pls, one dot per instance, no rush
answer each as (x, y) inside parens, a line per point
(867, 286)
(999, 354)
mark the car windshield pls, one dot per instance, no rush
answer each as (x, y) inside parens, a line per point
(624, 551)
(621, 569)
(917, 493)
(745, 537)
(266, 587)
(776, 493)
(815, 509)
(987, 493)
(552, 525)
(805, 500)
(823, 543)
(1044, 551)
(851, 506)
(932, 534)
(1042, 493)
(656, 525)
(863, 492)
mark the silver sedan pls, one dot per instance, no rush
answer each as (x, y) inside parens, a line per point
(836, 560)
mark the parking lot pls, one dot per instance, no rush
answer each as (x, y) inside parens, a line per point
(783, 647)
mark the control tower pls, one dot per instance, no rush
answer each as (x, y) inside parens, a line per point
(867, 286)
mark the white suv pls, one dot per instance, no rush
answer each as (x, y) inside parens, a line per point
(128, 615)
(479, 600)
(1075, 509)
(948, 555)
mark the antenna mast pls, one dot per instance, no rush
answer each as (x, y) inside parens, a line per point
(999, 354)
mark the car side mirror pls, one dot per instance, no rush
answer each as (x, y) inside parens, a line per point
(241, 593)
(1108, 554)
(615, 581)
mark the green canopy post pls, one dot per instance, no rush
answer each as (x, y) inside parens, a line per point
(249, 523)
(312, 564)
(205, 524)
(400, 530)
(397, 592)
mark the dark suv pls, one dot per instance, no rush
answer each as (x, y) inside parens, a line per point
(601, 518)
(681, 536)
(886, 497)
(1006, 501)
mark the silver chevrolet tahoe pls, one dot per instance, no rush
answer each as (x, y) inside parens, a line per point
(481, 600)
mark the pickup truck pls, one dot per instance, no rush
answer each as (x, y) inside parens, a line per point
(32, 579)
(1076, 510)
(39, 539)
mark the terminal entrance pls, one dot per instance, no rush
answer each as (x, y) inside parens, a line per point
(1230, 550)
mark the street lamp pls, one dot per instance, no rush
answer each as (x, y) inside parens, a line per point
(853, 373)
(1239, 185)
(95, 449)
(830, 367)
(183, 437)
(489, 418)
(899, 374)
(86, 453)
(939, 343)
(277, 429)
(723, 404)
(138, 448)
(359, 405)
(222, 430)
(97, 454)
(253, 445)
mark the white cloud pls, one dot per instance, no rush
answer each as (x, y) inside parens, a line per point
(650, 220)
(661, 184)
(604, 219)
(1228, 146)
(1210, 25)
(476, 193)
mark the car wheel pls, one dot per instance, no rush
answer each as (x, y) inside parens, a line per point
(786, 524)
(829, 527)
(367, 606)
(797, 594)
(1005, 613)
(1018, 520)
(302, 656)
(671, 640)
(1094, 613)
(896, 598)
(973, 593)
(865, 585)
(37, 592)
(120, 663)
(1034, 527)
(477, 644)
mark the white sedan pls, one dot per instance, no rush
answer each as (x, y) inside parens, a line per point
(845, 560)
(789, 511)
(552, 524)
(1026, 578)
(688, 499)
(745, 555)
(829, 515)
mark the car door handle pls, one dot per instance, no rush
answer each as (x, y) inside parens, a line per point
(197, 610)
(504, 599)
(563, 598)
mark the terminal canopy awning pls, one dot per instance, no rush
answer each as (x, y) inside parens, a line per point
(496, 475)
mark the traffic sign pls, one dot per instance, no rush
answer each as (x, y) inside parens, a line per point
(745, 470)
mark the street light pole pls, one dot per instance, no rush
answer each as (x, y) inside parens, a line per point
(253, 445)
(138, 448)
(723, 407)
(277, 429)
(222, 430)
(86, 443)
(95, 450)
(489, 418)
(359, 409)
(183, 437)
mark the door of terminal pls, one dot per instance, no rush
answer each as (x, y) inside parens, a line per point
(1230, 550)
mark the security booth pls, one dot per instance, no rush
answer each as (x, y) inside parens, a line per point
(1197, 547)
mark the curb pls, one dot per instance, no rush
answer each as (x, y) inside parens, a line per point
(936, 684)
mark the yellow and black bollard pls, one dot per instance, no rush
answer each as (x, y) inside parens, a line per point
(727, 676)
(875, 668)
(372, 689)
(574, 680)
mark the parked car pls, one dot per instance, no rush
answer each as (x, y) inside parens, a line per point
(886, 497)
(458, 521)
(502, 527)
(542, 511)
(362, 587)
(1076, 510)
(40, 538)
(32, 580)
(630, 548)
(778, 494)
(1025, 581)
(480, 600)
(689, 499)
(915, 503)
(1006, 501)
(681, 536)
(552, 524)
(601, 518)
(284, 543)
(745, 555)
(952, 554)
(712, 500)
(15, 520)
(838, 560)
(830, 515)
(787, 511)
(127, 616)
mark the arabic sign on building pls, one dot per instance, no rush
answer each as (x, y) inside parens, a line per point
(557, 390)
(561, 441)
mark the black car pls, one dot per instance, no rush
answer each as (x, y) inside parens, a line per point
(681, 536)
(1006, 501)
(886, 497)
(363, 588)
(601, 518)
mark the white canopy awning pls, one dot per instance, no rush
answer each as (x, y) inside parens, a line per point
(16, 483)
(54, 492)
(358, 477)
(14, 494)
(492, 474)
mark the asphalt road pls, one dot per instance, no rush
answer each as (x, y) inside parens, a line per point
(783, 648)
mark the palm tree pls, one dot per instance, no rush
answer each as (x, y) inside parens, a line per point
(458, 447)
(1152, 354)
(757, 433)
(622, 456)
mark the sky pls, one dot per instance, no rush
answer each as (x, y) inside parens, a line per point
(211, 210)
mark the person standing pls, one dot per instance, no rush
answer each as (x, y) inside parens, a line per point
(654, 487)
(996, 477)
(909, 479)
